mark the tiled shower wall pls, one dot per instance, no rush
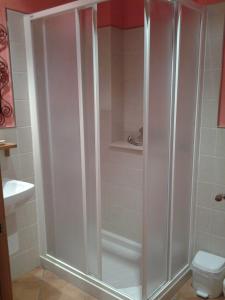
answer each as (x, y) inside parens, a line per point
(121, 61)
(133, 80)
(210, 217)
(20, 163)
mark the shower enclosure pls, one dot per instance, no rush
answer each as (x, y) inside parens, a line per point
(114, 89)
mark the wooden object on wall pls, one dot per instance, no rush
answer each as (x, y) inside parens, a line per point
(6, 148)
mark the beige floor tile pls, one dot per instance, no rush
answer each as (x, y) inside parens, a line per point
(41, 285)
(187, 293)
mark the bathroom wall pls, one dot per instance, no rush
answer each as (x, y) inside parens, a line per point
(133, 79)
(121, 103)
(20, 163)
(210, 219)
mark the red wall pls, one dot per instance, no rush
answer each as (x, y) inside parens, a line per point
(118, 13)
(122, 14)
(29, 6)
(133, 7)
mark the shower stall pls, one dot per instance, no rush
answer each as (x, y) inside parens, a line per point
(115, 89)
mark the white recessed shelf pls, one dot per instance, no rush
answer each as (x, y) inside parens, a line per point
(126, 146)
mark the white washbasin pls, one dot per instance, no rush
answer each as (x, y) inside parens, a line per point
(16, 192)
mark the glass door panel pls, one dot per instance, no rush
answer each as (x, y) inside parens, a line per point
(121, 69)
(158, 108)
(187, 88)
(89, 83)
(55, 51)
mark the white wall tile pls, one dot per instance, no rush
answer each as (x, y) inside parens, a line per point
(208, 141)
(11, 167)
(24, 140)
(27, 168)
(220, 171)
(209, 114)
(20, 86)
(15, 27)
(22, 113)
(20, 163)
(220, 142)
(26, 215)
(204, 220)
(218, 245)
(218, 223)
(18, 57)
(203, 242)
(120, 175)
(205, 194)
(121, 170)
(213, 61)
(207, 168)
(28, 238)
(215, 22)
(211, 83)
(210, 223)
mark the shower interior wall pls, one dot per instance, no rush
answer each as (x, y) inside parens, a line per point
(121, 104)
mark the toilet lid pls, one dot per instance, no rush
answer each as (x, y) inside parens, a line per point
(208, 262)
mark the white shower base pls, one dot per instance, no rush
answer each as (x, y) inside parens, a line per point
(132, 292)
(121, 261)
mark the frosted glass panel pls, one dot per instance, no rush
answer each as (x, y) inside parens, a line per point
(185, 126)
(157, 155)
(58, 109)
(90, 128)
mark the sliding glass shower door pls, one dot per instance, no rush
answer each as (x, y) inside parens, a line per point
(67, 92)
(102, 149)
(173, 55)
(188, 64)
(158, 109)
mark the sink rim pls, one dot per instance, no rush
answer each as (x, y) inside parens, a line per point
(24, 187)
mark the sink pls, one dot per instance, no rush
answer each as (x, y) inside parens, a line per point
(16, 192)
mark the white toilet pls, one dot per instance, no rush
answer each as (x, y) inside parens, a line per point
(208, 274)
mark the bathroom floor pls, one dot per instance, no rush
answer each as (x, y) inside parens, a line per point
(187, 293)
(41, 285)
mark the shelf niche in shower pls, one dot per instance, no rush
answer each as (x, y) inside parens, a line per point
(126, 146)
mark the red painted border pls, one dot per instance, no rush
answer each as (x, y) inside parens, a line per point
(124, 14)
(29, 6)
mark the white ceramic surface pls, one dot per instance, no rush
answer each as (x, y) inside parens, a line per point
(16, 192)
